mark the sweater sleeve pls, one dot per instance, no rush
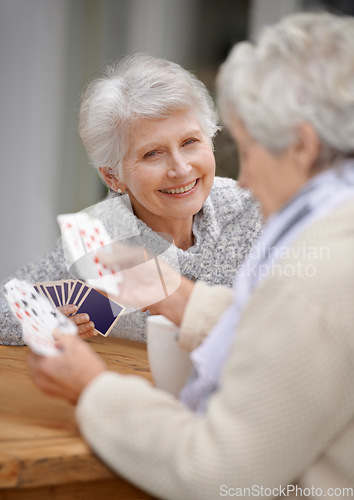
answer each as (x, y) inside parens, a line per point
(49, 267)
(285, 393)
(205, 306)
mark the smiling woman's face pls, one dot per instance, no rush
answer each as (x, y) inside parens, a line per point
(169, 167)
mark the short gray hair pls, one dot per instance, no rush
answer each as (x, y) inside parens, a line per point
(301, 70)
(139, 86)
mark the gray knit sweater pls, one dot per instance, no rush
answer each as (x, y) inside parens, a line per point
(224, 231)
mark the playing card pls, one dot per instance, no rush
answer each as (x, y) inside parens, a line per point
(82, 293)
(52, 294)
(75, 290)
(37, 316)
(40, 289)
(38, 343)
(82, 236)
(58, 288)
(103, 311)
(29, 307)
(65, 292)
(71, 237)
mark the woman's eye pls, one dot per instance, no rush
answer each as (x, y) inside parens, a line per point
(190, 141)
(150, 154)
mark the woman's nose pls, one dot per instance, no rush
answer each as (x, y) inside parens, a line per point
(178, 166)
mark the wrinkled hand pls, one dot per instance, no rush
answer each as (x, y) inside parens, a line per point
(67, 374)
(86, 328)
(147, 279)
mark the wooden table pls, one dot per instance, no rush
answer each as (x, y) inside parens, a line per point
(42, 455)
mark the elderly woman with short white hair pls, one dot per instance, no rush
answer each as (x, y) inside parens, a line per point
(148, 126)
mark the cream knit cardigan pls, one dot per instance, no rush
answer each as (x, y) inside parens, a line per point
(284, 413)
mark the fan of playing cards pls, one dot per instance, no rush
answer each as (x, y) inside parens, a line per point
(103, 311)
(82, 236)
(37, 316)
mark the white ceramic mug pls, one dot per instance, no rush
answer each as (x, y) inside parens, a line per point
(169, 364)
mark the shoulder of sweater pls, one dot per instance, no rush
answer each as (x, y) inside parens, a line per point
(334, 226)
(328, 247)
(319, 263)
(103, 207)
(228, 198)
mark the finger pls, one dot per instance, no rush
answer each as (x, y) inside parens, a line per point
(39, 367)
(80, 319)
(68, 309)
(62, 341)
(33, 361)
(33, 357)
(57, 334)
(87, 330)
(52, 386)
(88, 335)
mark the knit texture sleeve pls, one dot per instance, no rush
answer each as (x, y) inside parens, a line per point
(205, 306)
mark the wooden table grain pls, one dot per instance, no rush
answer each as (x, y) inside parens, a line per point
(42, 455)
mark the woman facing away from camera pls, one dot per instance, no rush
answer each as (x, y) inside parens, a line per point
(269, 407)
(148, 126)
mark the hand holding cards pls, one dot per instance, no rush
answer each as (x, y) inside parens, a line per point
(103, 311)
(37, 316)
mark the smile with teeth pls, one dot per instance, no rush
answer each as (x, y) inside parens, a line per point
(183, 189)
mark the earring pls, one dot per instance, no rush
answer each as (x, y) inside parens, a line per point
(119, 191)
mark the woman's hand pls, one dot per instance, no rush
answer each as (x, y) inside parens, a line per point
(146, 278)
(67, 374)
(148, 282)
(86, 328)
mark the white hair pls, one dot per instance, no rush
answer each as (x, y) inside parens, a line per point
(139, 86)
(301, 70)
